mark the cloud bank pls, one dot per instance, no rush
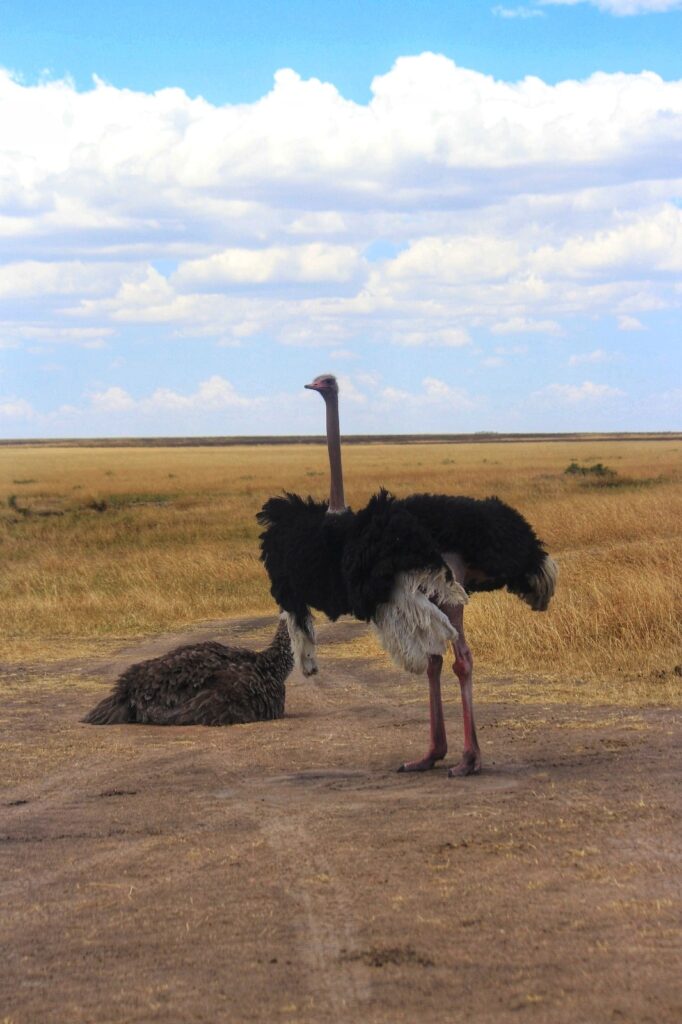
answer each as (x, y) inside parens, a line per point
(624, 7)
(450, 205)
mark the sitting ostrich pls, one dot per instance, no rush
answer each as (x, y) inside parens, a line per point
(408, 566)
(202, 684)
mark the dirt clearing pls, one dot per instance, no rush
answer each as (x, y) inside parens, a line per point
(285, 872)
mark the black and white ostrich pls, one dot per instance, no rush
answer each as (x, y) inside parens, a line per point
(407, 565)
(202, 684)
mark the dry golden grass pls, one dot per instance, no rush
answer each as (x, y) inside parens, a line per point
(177, 543)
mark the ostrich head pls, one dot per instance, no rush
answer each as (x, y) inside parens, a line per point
(325, 384)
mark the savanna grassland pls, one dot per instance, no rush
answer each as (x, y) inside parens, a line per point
(283, 871)
(105, 545)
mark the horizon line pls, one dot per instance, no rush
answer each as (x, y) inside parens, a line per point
(217, 441)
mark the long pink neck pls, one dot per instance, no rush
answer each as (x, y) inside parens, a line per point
(336, 499)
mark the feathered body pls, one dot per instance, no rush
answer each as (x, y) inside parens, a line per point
(407, 565)
(498, 546)
(302, 548)
(202, 684)
(390, 563)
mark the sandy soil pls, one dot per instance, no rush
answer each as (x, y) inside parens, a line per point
(285, 872)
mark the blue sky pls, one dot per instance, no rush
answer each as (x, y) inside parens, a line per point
(471, 212)
(228, 51)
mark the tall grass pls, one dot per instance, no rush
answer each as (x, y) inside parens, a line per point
(103, 544)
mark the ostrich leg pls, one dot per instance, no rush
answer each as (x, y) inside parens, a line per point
(438, 746)
(463, 669)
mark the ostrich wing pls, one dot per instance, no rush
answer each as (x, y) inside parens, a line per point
(386, 540)
(301, 547)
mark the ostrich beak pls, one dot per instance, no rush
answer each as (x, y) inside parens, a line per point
(325, 384)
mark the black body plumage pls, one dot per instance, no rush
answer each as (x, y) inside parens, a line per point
(348, 562)
(202, 684)
(491, 538)
(302, 548)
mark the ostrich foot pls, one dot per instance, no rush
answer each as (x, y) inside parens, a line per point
(424, 764)
(469, 765)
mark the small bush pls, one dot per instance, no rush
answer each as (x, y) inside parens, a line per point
(599, 469)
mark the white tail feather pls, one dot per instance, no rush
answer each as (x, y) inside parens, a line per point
(411, 626)
(303, 644)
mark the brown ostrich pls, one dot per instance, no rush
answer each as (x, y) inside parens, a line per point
(201, 684)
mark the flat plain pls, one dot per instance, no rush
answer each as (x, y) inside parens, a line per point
(284, 871)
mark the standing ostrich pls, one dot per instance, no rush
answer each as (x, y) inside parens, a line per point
(407, 565)
(202, 684)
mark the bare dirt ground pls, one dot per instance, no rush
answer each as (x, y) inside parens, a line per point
(284, 872)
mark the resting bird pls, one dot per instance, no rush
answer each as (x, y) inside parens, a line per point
(408, 566)
(202, 684)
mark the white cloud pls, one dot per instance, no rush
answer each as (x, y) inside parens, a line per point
(451, 260)
(517, 12)
(291, 264)
(598, 355)
(15, 333)
(624, 7)
(216, 405)
(648, 242)
(113, 399)
(214, 393)
(511, 350)
(34, 278)
(327, 224)
(16, 408)
(521, 325)
(438, 389)
(433, 391)
(432, 337)
(484, 205)
(578, 393)
(147, 166)
(630, 323)
(351, 392)
(343, 353)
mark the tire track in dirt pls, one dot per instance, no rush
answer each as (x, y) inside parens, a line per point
(326, 933)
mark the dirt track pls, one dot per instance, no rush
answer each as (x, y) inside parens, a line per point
(285, 872)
